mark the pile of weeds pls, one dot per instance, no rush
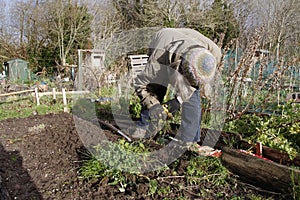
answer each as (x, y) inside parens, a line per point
(190, 176)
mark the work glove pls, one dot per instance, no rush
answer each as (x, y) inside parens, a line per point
(149, 101)
(173, 106)
(156, 113)
(157, 118)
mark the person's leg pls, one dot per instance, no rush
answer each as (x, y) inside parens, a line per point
(144, 120)
(189, 130)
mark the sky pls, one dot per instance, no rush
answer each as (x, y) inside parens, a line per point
(4, 5)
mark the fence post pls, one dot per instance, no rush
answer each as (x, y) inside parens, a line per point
(65, 100)
(54, 94)
(37, 96)
(119, 90)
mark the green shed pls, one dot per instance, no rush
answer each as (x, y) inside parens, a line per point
(17, 70)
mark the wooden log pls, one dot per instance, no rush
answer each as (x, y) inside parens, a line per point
(280, 156)
(263, 173)
(276, 155)
(16, 93)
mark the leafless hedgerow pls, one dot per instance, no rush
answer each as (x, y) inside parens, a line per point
(267, 81)
(236, 79)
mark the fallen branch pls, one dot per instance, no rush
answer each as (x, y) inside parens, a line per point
(170, 177)
(259, 189)
(15, 93)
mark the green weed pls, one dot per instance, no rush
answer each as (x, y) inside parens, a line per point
(122, 155)
(153, 186)
(280, 130)
(114, 161)
(206, 169)
(295, 186)
(92, 168)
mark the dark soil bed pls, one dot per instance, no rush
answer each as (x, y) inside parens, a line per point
(40, 157)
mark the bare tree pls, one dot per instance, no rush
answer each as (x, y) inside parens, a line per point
(69, 22)
(106, 21)
(3, 54)
(284, 24)
(281, 19)
(266, 58)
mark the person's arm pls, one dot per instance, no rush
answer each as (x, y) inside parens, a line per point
(147, 98)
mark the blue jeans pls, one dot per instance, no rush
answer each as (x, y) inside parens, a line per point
(190, 129)
(144, 121)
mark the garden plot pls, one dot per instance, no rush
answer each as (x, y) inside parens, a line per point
(42, 157)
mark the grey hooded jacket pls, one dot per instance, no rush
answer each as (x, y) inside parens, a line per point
(164, 65)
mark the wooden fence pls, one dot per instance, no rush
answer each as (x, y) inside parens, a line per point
(37, 95)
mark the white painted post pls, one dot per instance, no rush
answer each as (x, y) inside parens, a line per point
(54, 94)
(37, 96)
(119, 90)
(259, 149)
(65, 100)
(64, 96)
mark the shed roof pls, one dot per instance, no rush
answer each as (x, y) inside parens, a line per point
(16, 59)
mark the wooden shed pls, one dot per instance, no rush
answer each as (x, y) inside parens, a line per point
(17, 70)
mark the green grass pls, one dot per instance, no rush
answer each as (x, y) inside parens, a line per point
(22, 107)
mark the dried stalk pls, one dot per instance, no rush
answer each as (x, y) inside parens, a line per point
(244, 67)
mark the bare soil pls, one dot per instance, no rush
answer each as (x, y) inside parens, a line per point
(40, 157)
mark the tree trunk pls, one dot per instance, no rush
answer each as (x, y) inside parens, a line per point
(263, 173)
